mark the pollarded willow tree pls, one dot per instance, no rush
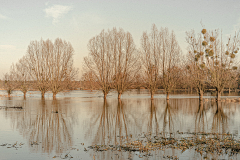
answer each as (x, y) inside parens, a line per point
(23, 75)
(150, 58)
(216, 59)
(170, 60)
(61, 66)
(51, 64)
(196, 64)
(38, 62)
(99, 61)
(112, 60)
(125, 60)
(161, 59)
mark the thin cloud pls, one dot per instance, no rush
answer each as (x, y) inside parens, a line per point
(7, 47)
(2, 16)
(57, 11)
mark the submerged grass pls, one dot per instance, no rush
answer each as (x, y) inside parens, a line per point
(201, 142)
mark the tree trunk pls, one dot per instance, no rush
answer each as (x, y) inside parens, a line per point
(54, 95)
(167, 95)
(200, 95)
(218, 95)
(42, 93)
(24, 95)
(9, 92)
(119, 95)
(152, 94)
(105, 96)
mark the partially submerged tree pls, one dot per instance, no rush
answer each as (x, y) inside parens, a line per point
(150, 49)
(61, 66)
(196, 64)
(170, 60)
(38, 55)
(51, 64)
(124, 60)
(99, 61)
(112, 60)
(23, 75)
(213, 58)
(161, 59)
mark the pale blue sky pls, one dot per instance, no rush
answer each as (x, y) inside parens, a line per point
(77, 21)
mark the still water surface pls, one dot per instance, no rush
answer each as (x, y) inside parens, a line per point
(64, 128)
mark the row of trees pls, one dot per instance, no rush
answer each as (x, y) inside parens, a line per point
(47, 66)
(114, 62)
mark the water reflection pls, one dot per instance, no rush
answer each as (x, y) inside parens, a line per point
(201, 117)
(46, 124)
(52, 123)
(110, 122)
(120, 122)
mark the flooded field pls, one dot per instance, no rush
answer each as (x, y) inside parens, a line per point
(81, 125)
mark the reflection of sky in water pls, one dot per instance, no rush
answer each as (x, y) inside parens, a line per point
(83, 117)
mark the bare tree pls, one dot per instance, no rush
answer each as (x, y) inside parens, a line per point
(170, 60)
(51, 64)
(38, 55)
(23, 75)
(100, 60)
(124, 60)
(161, 57)
(150, 49)
(213, 58)
(196, 62)
(61, 67)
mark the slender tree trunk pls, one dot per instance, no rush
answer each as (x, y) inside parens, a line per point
(24, 95)
(218, 95)
(167, 95)
(200, 94)
(42, 93)
(119, 95)
(105, 96)
(152, 94)
(9, 92)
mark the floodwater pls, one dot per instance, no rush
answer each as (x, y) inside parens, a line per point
(65, 128)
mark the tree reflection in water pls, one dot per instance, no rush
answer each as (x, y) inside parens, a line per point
(168, 116)
(220, 118)
(112, 127)
(153, 119)
(201, 118)
(46, 124)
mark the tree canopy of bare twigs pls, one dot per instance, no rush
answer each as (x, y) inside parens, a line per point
(160, 57)
(125, 60)
(112, 60)
(23, 75)
(51, 64)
